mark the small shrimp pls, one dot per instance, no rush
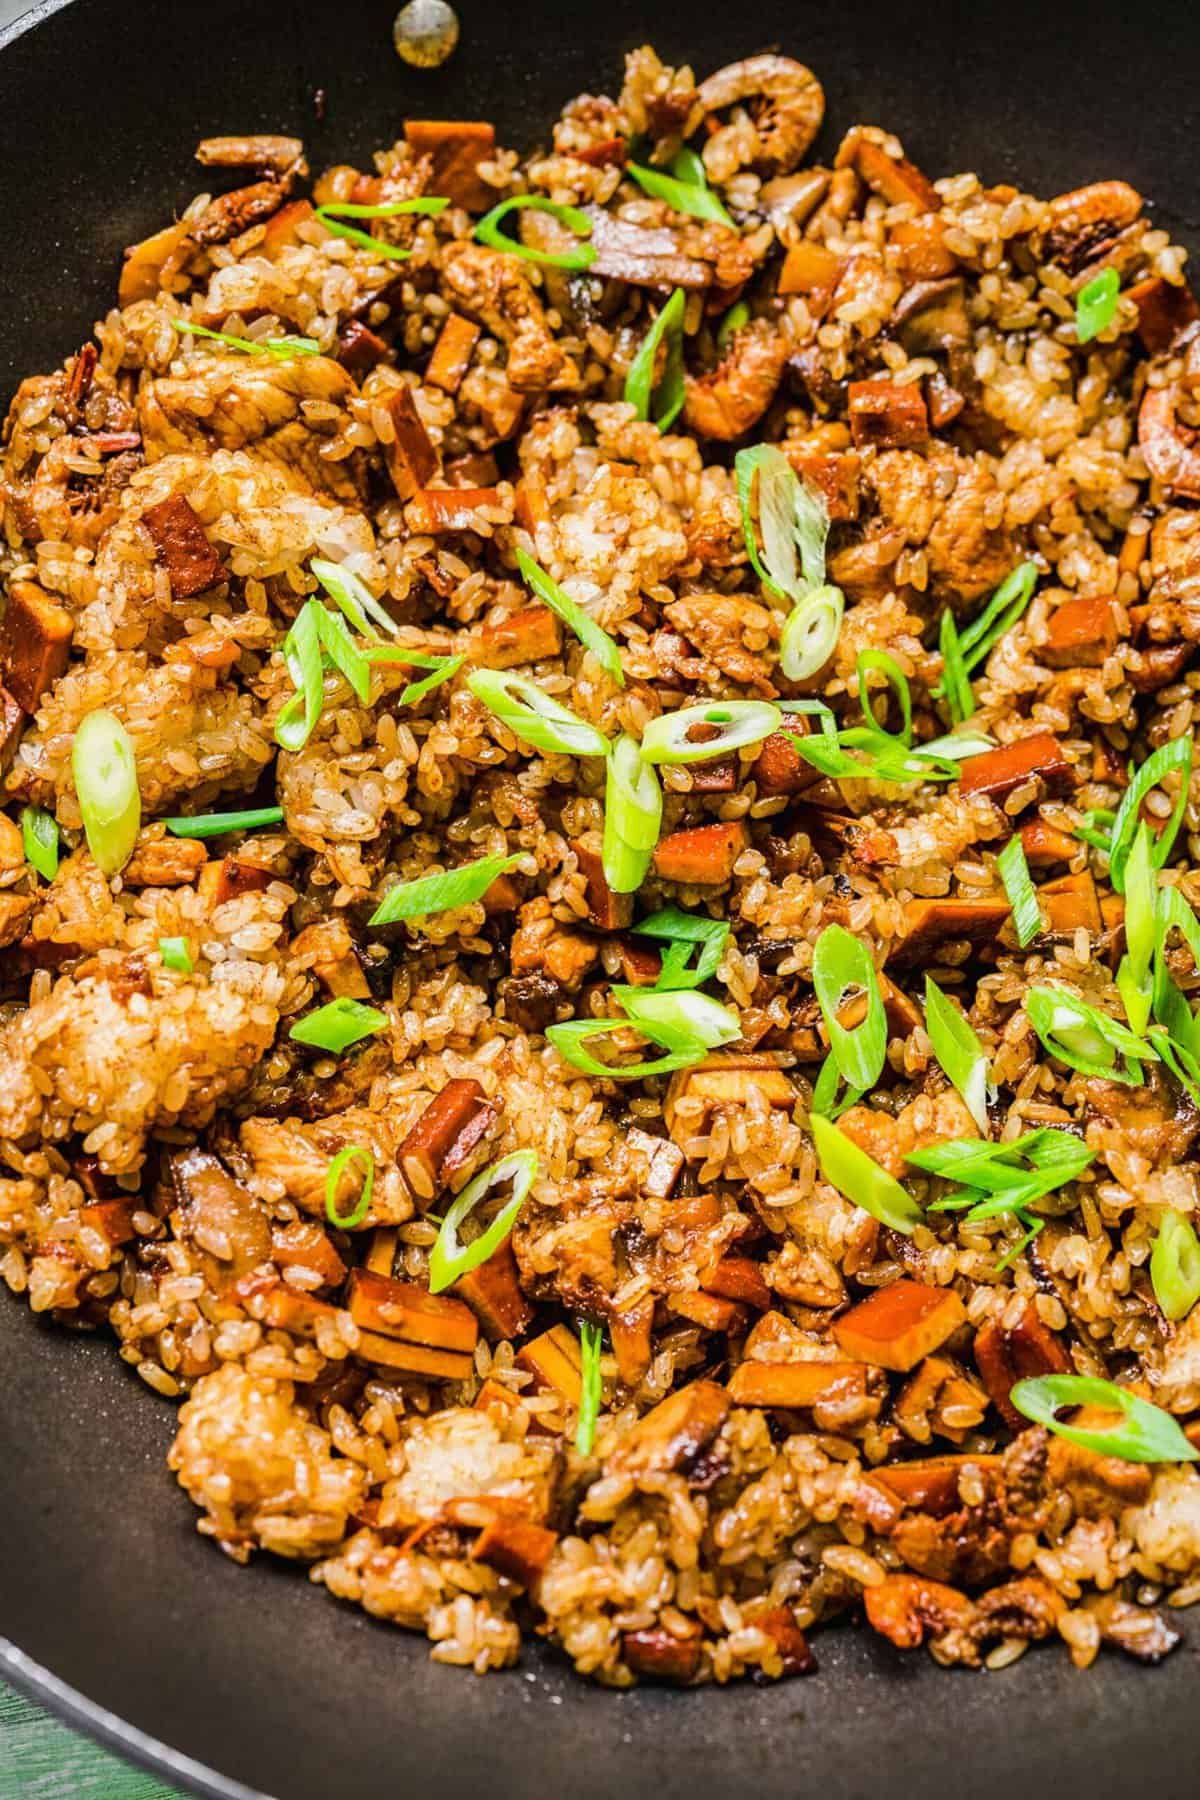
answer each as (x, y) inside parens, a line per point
(734, 396)
(782, 126)
(1171, 448)
(63, 503)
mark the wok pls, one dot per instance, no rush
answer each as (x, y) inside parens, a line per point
(115, 1613)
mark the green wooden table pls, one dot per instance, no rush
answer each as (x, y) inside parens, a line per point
(43, 1760)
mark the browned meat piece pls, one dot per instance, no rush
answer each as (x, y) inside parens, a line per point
(607, 911)
(412, 1359)
(164, 861)
(452, 353)
(516, 1548)
(496, 291)
(940, 502)
(306, 1245)
(970, 1545)
(1157, 1120)
(359, 350)
(940, 1400)
(12, 723)
(738, 1278)
(813, 270)
(657, 1654)
(732, 631)
(664, 1163)
(113, 1219)
(493, 1292)
(779, 767)
(147, 263)
(703, 856)
(675, 1434)
(726, 403)
(15, 913)
(225, 1224)
(932, 316)
(887, 414)
(526, 636)
(399, 1309)
(1005, 1355)
(191, 563)
(35, 643)
(731, 1081)
(785, 101)
(1168, 445)
(1137, 1630)
(630, 1334)
(1165, 309)
(920, 251)
(1028, 1608)
(900, 1324)
(840, 1395)
(530, 1001)
(649, 256)
(1099, 1486)
(259, 150)
(1158, 666)
(779, 1623)
(553, 1359)
(1082, 226)
(999, 773)
(1068, 903)
(456, 148)
(834, 475)
(230, 214)
(411, 458)
(929, 924)
(1044, 845)
(1082, 634)
(931, 1485)
(897, 180)
(334, 962)
(945, 403)
(540, 945)
(444, 1137)
(904, 1608)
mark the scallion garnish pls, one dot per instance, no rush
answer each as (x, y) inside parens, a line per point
(680, 931)
(298, 717)
(354, 597)
(682, 1013)
(856, 1175)
(1003, 1180)
(700, 733)
(1175, 1266)
(1135, 978)
(842, 969)
(206, 825)
(590, 1343)
(810, 632)
(1085, 1038)
(334, 215)
(897, 680)
(338, 1024)
(737, 316)
(449, 1260)
(956, 683)
(106, 785)
(441, 892)
(175, 954)
(1146, 1434)
(281, 347)
(879, 755)
(960, 1054)
(661, 400)
(826, 1089)
(633, 805)
(978, 639)
(568, 1040)
(581, 257)
(1176, 755)
(39, 838)
(441, 669)
(1096, 305)
(333, 1182)
(792, 518)
(593, 637)
(1096, 828)
(690, 196)
(532, 714)
(1013, 870)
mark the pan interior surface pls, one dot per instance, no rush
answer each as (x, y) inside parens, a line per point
(103, 1580)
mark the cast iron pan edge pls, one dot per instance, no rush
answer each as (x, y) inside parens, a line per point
(157, 1644)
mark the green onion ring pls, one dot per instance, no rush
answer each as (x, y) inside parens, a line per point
(959, 1052)
(333, 1180)
(449, 1260)
(810, 633)
(856, 1175)
(666, 398)
(633, 805)
(842, 962)
(1146, 1433)
(727, 725)
(581, 257)
(532, 714)
(106, 786)
(590, 1342)
(39, 840)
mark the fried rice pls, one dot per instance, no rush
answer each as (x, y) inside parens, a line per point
(761, 1464)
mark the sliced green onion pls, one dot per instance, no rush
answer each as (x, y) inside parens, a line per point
(663, 401)
(955, 680)
(568, 1040)
(1135, 978)
(1085, 1038)
(297, 719)
(960, 1054)
(723, 725)
(206, 825)
(106, 785)
(1033, 1226)
(1146, 1433)
(339, 647)
(792, 517)
(281, 347)
(992, 1168)
(590, 1341)
(530, 713)
(593, 637)
(1096, 305)
(1175, 1266)
(841, 964)
(39, 836)
(1096, 828)
(449, 1260)
(977, 640)
(737, 316)
(444, 667)
(681, 196)
(1175, 755)
(853, 1173)
(687, 165)
(633, 805)
(1014, 873)
(810, 633)
(680, 930)
(333, 1181)
(175, 954)
(1170, 1007)
(825, 1101)
(682, 1013)
(581, 257)
(896, 679)
(338, 1024)
(441, 892)
(332, 218)
(958, 746)
(354, 597)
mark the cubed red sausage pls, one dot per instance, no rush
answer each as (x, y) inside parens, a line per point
(191, 563)
(35, 643)
(457, 147)
(999, 772)
(444, 1136)
(888, 414)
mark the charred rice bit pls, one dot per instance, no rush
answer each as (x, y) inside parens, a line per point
(804, 1412)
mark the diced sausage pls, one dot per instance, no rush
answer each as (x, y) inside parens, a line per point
(142, 270)
(522, 637)
(702, 856)
(452, 353)
(921, 253)
(457, 147)
(739, 1278)
(780, 1625)
(674, 1433)
(779, 767)
(445, 1135)
(631, 1341)
(1005, 1355)
(359, 350)
(334, 963)
(35, 643)
(493, 1292)
(1165, 308)
(164, 862)
(999, 772)
(606, 910)
(553, 1359)
(902, 1608)
(1044, 845)
(1082, 634)
(931, 1485)
(812, 270)
(400, 1309)
(1071, 902)
(306, 1245)
(893, 177)
(887, 414)
(709, 1311)
(803, 1385)
(899, 1324)
(411, 458)
(662, 1655)
(516, 1548)
(192, 564)
(230, 878)
(928, 924)
(113, 1219)
(834, 474)
(435, 511)
(413, 1359)
(281, 230)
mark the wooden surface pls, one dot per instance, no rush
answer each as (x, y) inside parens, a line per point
(43, 1760)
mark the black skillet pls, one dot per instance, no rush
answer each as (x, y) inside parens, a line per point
(116, 1614)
